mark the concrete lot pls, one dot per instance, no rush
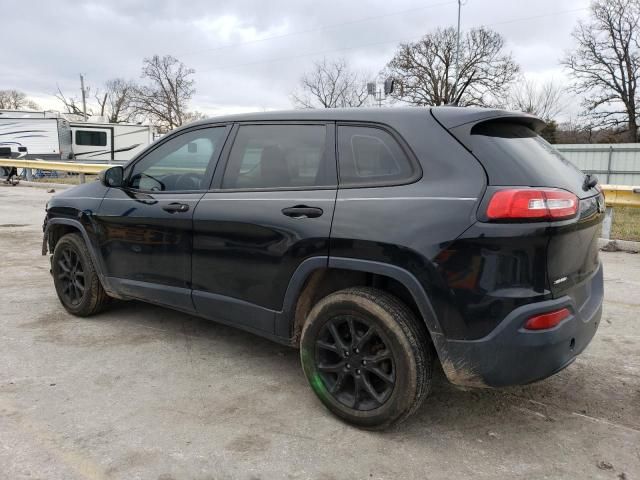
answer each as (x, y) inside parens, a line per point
(144, 392)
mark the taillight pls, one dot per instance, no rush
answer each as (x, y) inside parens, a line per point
(532, 203)
(547, 320)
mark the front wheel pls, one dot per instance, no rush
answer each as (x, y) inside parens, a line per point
(366, 357)
(75, 277)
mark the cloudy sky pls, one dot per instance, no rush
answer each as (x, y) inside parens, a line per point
(249, 54)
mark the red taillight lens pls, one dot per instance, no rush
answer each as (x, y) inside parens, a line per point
(547, 320)
(532, 203)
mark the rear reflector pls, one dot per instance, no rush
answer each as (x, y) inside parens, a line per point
(532, 203)
(547, 320)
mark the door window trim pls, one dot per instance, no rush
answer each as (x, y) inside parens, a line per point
(330, 140)
(417, 171)
(209, 172)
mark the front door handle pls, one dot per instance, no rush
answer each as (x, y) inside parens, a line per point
(302, 211)
(176, 207)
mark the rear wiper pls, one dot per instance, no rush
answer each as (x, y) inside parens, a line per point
(590, 181)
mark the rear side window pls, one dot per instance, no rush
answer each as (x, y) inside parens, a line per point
(371, 155)
(280, 156)
(514, 154)
(93, 138)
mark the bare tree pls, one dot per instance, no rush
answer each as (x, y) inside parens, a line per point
(165, 97)
(331, 84)
(606, 64)
(193, 116)
(117, 101)
(72, 104)
(16, 100)
(544, 100)
(426, 69)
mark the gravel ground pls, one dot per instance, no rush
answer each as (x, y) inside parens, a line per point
(144, 392)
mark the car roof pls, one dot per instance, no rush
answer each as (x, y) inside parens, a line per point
(450, 116)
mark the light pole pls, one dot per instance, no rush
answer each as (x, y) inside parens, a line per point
(455, 85)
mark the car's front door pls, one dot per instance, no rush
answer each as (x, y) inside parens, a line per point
(145, 228)
(269, 209)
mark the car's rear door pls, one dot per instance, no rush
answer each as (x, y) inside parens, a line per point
(269, 210)
(145, 228)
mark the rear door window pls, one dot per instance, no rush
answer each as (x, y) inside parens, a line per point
(280, 156)
(369, 155)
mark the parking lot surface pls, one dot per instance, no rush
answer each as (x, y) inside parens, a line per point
(145, 392)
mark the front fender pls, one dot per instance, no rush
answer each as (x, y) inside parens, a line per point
(75, 224)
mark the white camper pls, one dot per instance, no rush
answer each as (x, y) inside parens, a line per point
(44, 135)
(119, 142)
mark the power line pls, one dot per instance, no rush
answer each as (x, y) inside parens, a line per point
(318, 29)
(322, 52)
(562, 12)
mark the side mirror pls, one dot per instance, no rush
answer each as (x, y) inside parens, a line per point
(112, 177)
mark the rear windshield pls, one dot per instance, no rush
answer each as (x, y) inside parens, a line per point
(514, 154)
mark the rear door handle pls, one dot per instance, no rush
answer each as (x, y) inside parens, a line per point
(302, 211)
(176, 207)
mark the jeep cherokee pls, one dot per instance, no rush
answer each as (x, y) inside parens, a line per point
(378, 241)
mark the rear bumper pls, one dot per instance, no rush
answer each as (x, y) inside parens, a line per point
(510, 355)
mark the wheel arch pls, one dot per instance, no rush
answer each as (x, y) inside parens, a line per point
(317, 277)
(57, 227)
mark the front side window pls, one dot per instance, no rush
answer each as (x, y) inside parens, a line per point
(279, 156)
(91, 137)
(370, 155)
(182, 163)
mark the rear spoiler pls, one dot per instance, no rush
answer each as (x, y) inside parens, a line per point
(456, 117)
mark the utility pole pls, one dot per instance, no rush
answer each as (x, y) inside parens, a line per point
(455, 85)
(84, 98)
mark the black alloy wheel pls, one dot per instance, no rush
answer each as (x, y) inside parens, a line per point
(71, 276)
(367, 357)
(75, 277)
(355, 362)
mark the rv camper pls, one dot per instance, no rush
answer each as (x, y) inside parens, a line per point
(43, 135)
(117, 142)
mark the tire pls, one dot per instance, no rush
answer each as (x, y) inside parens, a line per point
(75, 278)
(380, 378)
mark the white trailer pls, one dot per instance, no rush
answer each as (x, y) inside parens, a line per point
(45, 135)
(118, 142)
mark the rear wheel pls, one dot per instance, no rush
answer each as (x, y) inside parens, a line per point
(366, 357)
(75, 277)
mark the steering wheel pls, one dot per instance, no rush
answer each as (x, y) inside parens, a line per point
(189, 181)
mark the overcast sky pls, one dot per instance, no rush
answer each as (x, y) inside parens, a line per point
(249, 54)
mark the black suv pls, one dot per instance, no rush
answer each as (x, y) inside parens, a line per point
(376, 240)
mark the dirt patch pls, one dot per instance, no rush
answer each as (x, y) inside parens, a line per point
(131, 460)
(63, 329)
(248, 443)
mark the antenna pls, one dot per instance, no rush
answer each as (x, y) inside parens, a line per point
(379, 95)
